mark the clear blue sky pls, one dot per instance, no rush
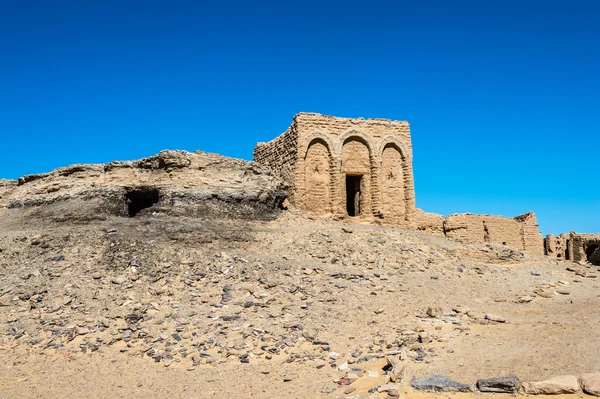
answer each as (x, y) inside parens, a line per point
(503, 97)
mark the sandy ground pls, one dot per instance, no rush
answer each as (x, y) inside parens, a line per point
(291, 283)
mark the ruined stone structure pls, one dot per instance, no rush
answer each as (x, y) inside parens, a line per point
(346, 167)
(520, 232)
(574, 246)
(362, 169)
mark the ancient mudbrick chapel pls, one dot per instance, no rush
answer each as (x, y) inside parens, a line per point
(361, 169)
(346, 167)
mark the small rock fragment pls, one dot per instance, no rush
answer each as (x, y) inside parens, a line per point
(439, 383)
(556, 385)
(496, 318)
(590, 383)
(499, 384)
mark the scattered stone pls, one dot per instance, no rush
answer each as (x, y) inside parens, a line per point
(590, 383)
(557, 385)
(118, 280)
(525, 299)
(439, 383)
(543, 293)
(388, 387)
(343, 366)
(434, 311)
(563, 292)
(499, 384)
(461, 309)
(329, 389)
(495, 318)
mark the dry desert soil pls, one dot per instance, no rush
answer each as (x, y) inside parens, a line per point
(171, 306)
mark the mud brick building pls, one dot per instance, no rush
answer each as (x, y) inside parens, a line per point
(346, 167)
(361, 169)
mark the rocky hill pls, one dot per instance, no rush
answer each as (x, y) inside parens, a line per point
(178, 183)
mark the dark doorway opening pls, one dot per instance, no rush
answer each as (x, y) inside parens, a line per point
(592, 252)
(353, 195)
(141, 198)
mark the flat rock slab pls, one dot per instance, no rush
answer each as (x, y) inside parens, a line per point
(553, 386)
(439, 383)
(590, 383)
(499, 384)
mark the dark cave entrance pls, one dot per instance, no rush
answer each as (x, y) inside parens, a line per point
(592, 253)
(140, 198)
(353, 195)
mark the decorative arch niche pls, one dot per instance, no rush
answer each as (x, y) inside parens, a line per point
(393, 184)
(317, 177)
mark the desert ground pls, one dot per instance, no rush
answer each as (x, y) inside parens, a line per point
(213, 288)
(157, 306)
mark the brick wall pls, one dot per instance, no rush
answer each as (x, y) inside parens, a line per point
(281, 155)
(317, 153)
(356, 146)
(519, 233)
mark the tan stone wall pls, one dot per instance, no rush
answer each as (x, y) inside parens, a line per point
(573, 246)
(281, 155)
(556, 246)
(364, 147)
(519, 233)
(318, 152)
(431, 223)
(533, 242)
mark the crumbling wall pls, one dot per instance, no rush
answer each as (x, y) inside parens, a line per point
(466, 227)
(533, 241)
(520, 232)
(576, 247)
(581, 246)
(431, 223)
(281, 155)
(558, 246)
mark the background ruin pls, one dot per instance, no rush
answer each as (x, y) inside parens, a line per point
(575, 247)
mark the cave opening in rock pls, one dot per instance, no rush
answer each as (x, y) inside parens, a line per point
(353, 195)
(141, 198)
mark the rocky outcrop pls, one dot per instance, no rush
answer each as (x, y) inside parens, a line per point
(179, 183)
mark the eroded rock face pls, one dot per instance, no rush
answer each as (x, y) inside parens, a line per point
(178, 183)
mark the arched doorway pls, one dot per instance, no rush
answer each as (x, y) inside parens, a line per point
(356, 173)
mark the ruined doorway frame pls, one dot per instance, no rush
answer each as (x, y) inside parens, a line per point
(354, 185)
